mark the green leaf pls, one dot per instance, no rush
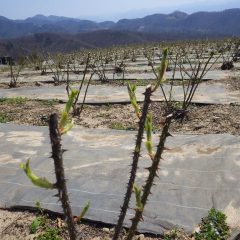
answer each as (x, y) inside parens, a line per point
(149, 147)
(132, 94)
(36, 224)
(37, 181)
(66, 123)
(64, 120)
(148, 129)
(138, 195)
(162, 69)
(84, 211)
(70, 101)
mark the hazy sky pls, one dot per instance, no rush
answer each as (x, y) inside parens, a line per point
(107, 9)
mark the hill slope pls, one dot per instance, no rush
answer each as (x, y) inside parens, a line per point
(59, 42)
(225, 22)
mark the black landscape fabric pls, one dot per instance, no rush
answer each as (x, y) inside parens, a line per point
(199, 172)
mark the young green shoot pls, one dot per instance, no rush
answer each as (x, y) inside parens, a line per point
(148, 129)
(37, 181)
(84, 211)
(132, 94)
(138, 196)
(66, 123)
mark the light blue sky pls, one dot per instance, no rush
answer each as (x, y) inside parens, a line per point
(107, 9)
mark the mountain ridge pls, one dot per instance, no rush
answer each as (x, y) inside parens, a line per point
(222, 22)
(62, 34)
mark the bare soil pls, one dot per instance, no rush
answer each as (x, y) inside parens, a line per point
(201, 119)
(15, 225)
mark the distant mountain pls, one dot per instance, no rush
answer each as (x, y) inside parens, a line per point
(13, 29)
(61, 34)
(224, 22)
(40, 24)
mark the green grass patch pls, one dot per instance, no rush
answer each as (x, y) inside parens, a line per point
(41, 224)
(37, 223)
(117, 126)
(15, 100)
(49, 103)
(50, 234)
(3, 118)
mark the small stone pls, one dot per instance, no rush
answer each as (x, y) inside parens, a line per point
(140, 237)
(96, 238)
(106, 230)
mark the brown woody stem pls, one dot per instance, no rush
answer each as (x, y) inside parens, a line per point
(136, 155)
(57, 153)
(152, 174)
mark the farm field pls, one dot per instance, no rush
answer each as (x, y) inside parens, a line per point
(199, 91)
